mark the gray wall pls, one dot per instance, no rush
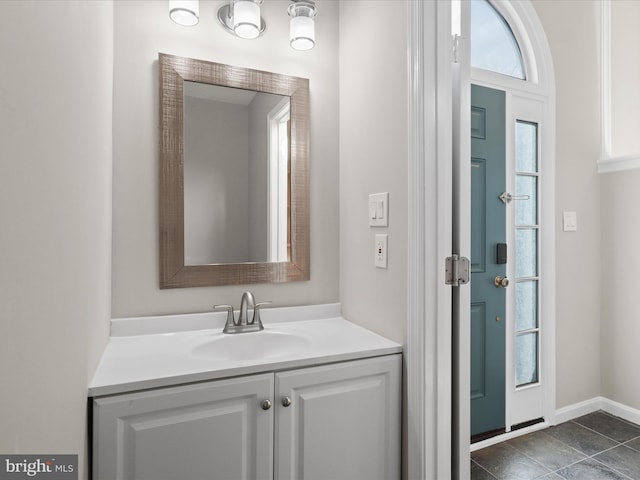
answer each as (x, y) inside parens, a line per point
(578, 264)
(620, 329)
(373, 159)
(141, 30)
(55, 205)
(625, 77)
(620, 228)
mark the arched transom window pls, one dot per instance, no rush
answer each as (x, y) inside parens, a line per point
(493, 45)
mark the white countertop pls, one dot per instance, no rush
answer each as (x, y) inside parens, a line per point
(153, 352)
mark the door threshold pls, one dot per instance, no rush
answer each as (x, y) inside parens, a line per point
(487, 435)
(503, 437)
(529, 423)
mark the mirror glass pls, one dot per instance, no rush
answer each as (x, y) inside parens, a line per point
(236, 188)
(234, 175)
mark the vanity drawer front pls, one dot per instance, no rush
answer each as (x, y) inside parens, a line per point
(339, 421)
(214, 430)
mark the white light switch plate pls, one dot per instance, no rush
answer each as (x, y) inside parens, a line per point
(379, 209)
(570, 222)
(381, 250)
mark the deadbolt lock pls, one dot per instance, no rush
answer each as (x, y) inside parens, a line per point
(501, 282)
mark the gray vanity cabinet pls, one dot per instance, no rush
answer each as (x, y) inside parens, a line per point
(337, 421)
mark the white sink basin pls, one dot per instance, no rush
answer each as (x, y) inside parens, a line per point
(251, 346)
(158, 352)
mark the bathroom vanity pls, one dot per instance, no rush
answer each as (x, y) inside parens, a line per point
(311, 396)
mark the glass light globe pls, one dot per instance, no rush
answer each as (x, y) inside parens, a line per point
(184, 12)
(302, 30)
(246, 19)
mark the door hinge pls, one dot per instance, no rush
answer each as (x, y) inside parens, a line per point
(456, 270)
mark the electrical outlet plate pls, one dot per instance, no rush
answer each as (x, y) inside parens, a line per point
(381, 250)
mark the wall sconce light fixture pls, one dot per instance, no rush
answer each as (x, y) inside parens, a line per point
(242, 18)
(302, 24)
(184, 12)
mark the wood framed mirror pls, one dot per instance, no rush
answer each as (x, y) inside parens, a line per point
(234, 175)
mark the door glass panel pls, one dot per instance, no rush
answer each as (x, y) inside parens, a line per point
(526, 252)
(526, 147)
(526, 236)
(526, 208)
(526, 358)
(526, 305)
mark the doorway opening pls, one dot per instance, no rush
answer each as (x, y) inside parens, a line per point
(438, 327)
(512, 326)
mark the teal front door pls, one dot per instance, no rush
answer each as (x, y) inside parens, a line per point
(488, 237)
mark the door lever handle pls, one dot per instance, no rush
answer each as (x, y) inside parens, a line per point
(501, 282)
(508, 198)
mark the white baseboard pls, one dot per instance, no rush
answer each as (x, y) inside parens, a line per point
(629, 414)
(576, 410)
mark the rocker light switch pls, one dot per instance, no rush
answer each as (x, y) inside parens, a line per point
(373, 211)
(570, 222)
(379, 209)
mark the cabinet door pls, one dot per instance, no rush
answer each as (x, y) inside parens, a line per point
(215, 430)
(343, 421)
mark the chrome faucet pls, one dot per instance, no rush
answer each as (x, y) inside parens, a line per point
(243, 325)
(247, 302)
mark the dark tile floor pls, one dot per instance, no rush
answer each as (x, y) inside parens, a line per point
(597, 446)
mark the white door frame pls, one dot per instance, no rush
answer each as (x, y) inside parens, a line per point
(429, 353)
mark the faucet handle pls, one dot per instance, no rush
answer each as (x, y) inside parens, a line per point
(229, 308)
(256, 313)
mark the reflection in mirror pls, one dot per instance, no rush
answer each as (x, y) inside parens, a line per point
(236, 159)
(234, 182)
